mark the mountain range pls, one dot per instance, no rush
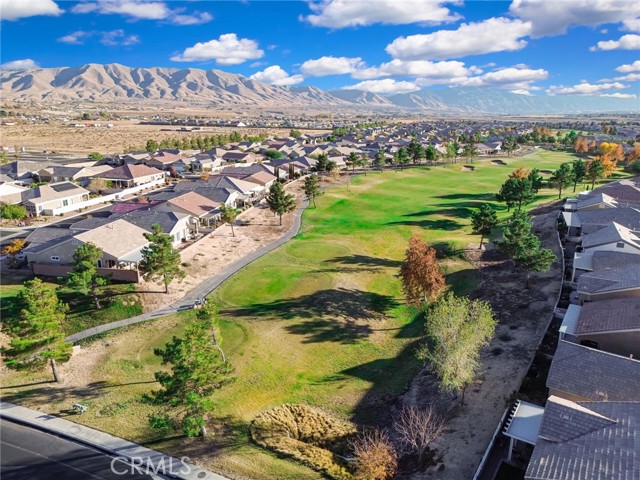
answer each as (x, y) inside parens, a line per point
(215, 88)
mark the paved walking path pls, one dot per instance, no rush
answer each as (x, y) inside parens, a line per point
(104, 442)
(204, 288)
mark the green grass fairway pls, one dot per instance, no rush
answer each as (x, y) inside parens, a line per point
(319, 320)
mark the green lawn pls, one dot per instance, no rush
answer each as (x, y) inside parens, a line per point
(82, 314)
(319, 320)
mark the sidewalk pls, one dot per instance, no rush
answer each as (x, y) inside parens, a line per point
(204, 288)
(107, 443)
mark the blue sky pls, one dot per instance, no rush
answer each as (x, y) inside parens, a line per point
(532, 47)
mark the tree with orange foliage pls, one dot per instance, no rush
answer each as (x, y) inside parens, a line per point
(420, 273)
(13, 248)
(613, 151)
(581, 145)
(634, 154)
(609, 164)
(519, 173)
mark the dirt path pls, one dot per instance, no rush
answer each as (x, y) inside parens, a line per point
(523, 315)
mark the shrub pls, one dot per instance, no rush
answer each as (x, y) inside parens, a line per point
(448, 250)
(376, 458)
(307, 434)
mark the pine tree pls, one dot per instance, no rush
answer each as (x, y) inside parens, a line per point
(420, 273)
(483, 221)
(516, 192)
(380, 159)
(562, 177)
(279, 201)
(198, 368)
(578, 172)
(160, 261)
(311, 188)
(36, 335)
(85, 277)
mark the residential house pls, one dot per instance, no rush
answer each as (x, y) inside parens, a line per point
(179, 225)
(579, 373)
(48, 199)
(64, 174)
(23, 170)
(600, 260)
(166, 161)
(195, 205)
(613, 238)
(620, 282)
(11, 193)
(228, 196)
(246, 188)
(128, 176)
(609, 325)
(587, 441)
(125, 252)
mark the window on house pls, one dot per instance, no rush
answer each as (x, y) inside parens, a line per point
(65, 202)
(620, 244)
(55, 258)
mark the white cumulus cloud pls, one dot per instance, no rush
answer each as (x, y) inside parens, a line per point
(522, 92)
(629, 77)
(625, 42)
(352, 13)
(619, 95)
(226, 50)
(143, 10)
(585, 88)
(384, 86)
(276, 75)
(75, 38)
(19, 65)
(631, 25)
(15, 9)
(554, 17)
(491, 35)
(415, 68)
(628, 68)
(328, 65)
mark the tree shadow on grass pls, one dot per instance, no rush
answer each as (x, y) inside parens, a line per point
(335, 315)
(467, 196)
(439, 224)
(389, 377)
(365, 260)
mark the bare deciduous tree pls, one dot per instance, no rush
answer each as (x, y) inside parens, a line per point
(416, 429)
(375, 456)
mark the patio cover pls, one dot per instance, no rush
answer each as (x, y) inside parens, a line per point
(524, 423)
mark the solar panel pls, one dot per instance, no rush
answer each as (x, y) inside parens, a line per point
(63, 187)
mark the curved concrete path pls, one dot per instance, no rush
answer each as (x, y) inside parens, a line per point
(204, 288)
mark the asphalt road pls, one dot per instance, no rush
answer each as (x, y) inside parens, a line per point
(29, 454)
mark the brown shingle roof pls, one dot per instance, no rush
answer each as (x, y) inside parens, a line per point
(587, 441)
(609, 315)
(194, 203)
(593, 374)
(130, 172)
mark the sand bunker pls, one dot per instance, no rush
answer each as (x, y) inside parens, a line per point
(498, 162)
(468, 168)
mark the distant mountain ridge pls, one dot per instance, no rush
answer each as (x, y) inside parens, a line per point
(114, 82)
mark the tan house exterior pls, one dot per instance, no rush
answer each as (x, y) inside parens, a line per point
(132, 175)
(47, 199)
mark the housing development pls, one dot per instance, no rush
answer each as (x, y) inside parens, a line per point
(352, 240)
